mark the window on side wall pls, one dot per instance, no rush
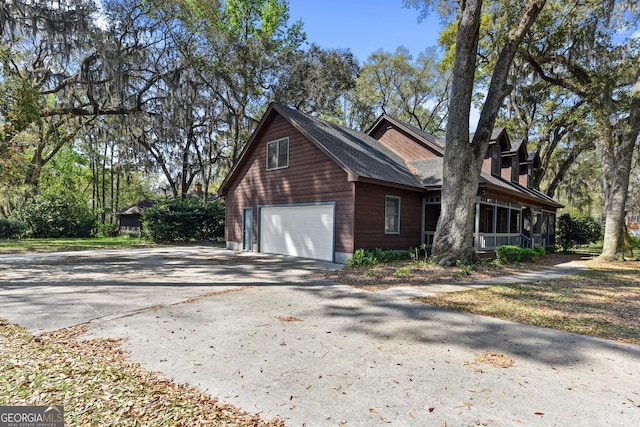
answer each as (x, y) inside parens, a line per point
(278, 154)
(392, 215)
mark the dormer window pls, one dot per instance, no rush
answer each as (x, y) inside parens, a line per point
(530, 176)
(495, 160)
(515, 162)
(278, 154)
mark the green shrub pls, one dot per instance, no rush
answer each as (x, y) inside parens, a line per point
(508, 254)
(551, 249)
(528, 254)
(380, 256)
(53, 215)
(183, 220)
(361, 258)
(540, 251)
(10, 228)
(580, 230)
(512, 254)
(108, 230)
(403, 272)
(635, 242)
(465, 269)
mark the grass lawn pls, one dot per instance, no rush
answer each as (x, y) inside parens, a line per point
(98, 387)
(601, 302)
(53, 245)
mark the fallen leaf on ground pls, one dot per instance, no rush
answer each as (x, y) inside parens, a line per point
(288, 318)
(495, 359)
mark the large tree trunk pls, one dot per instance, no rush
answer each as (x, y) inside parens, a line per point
(616, 170)
(453, 239)
(617, 154)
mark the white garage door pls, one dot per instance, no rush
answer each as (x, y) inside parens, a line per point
(304, 231)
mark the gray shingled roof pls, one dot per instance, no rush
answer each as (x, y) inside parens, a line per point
(515, 145)
(430, 170)
(136, 208)
(502, 183)
(365, 157)
(356, 151)
(494, 135)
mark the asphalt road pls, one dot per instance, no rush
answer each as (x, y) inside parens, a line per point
(269, 334)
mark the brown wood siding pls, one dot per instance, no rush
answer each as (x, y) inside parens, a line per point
(369, 220)
(486, 165)
(403, 144)
(505, 170)
(523, 177)
(310, 178)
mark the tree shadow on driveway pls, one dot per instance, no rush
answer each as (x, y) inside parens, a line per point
(394, 318)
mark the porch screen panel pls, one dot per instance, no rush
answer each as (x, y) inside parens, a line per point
(501, 220)
(537, 223)
(486, 218)
(514, 223)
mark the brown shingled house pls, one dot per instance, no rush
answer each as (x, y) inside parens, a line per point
(306, 187)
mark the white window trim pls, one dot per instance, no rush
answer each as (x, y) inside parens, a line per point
(385, 214)
(277, 144)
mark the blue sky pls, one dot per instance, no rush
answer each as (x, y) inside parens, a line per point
(364, 26)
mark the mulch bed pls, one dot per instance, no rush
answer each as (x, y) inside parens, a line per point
(408, 273)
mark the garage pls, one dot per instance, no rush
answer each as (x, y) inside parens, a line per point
(303, 231)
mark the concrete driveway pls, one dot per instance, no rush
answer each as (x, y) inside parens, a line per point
(269, 335)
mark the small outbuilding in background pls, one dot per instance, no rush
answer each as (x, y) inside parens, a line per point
(130, 218)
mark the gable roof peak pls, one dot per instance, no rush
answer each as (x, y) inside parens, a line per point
(423, 136)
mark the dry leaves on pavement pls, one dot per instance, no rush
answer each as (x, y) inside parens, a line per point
(98, 387)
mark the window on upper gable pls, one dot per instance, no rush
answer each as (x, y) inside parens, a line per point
(278, 154)
(496, 157)
(515, 163)
(392, 215)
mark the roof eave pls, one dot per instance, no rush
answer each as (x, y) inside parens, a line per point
(515, 192)
(389, 184)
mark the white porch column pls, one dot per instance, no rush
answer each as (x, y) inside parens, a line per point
(476, 232)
